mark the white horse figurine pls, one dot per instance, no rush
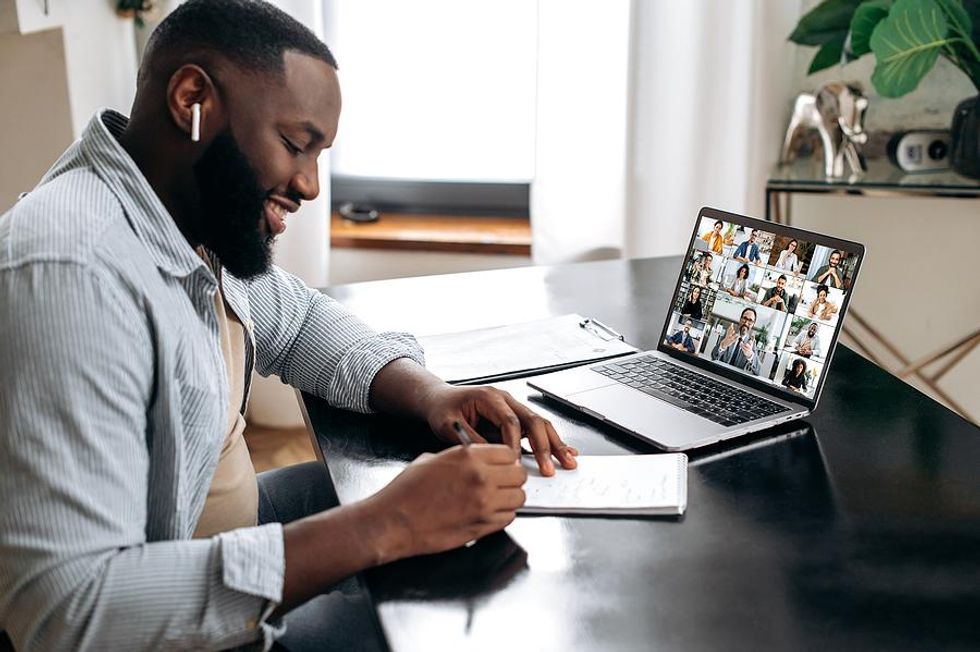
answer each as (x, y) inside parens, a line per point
(836, 111)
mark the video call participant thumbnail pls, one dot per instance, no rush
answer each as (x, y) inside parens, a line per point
(692, 305)
(701, 270)
(776, 296)
(716, 242)
(822, 307)
(807, 342)
(739, 286)
(737, 348)
(682, 340)
(795, 376)
(748, 251)
(831, 274)
(788, 259)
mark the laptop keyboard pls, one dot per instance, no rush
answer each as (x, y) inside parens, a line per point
(679, 386)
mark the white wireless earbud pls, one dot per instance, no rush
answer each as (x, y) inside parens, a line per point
(196, 122)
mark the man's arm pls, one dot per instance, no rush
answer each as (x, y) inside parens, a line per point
(76, 377)
(314, 343)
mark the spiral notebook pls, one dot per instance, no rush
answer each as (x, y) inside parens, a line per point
(610, 484)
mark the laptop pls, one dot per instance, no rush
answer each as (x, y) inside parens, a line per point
(747, 342)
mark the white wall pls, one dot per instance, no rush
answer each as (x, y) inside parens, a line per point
(54, 80)
(100, 53)
(35, 120)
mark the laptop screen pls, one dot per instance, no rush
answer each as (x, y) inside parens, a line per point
(765, 303)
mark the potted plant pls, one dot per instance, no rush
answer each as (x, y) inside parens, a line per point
(135, 9)
(905, 37)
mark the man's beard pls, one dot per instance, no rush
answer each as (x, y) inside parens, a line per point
(233, 205)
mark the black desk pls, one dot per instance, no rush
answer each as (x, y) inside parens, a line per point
(861, 531)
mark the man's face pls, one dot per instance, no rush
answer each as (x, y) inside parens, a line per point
(746, 322)
(687, 327)
(264, 164)
(812, 330)
(780, 284)
(834, 259)
(752, 236)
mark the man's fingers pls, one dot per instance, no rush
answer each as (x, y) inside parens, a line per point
(494, 453)
(507, 500)
(537, 435)
(498, 411)
(509, 475)
(544, 440)
(564, 453)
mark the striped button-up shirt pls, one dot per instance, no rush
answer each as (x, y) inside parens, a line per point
(112, 401)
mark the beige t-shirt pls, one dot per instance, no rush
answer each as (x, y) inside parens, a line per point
(233, 498)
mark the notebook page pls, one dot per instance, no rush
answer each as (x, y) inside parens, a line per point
(613, 483)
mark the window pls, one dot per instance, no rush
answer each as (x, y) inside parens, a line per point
(438, 103)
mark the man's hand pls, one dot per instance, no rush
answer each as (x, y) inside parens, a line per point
(403, 387)
(468, 404)
(747, 350)
(442, 501)
(730, 337)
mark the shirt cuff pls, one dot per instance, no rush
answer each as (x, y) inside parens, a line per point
(254, 560)
(350, 386)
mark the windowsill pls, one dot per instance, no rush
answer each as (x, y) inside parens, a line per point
(422, 232)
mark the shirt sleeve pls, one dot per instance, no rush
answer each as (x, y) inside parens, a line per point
(315, 344)
(76, 569)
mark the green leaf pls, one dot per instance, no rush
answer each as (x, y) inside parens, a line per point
(964, 19)
(828, 55)
(865, 19)
(828, 21)
(906, 45)
(959, 20)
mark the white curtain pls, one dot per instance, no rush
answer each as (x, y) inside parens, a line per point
(648, 110)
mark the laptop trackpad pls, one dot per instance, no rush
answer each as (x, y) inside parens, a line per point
(644, 415)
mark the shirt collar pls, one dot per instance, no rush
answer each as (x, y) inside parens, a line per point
(147, 215)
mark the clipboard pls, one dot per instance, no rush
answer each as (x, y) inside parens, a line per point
(525, 349)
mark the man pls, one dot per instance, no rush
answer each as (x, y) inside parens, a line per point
(807, 343)
(830, 274)
(136, 296)
(748, 251)
(776, 297)
(682, 340)
(737, 348)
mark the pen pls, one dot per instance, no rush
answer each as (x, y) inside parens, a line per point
(464, 438)
(466, 441)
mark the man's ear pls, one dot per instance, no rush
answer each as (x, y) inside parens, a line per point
(190, 85)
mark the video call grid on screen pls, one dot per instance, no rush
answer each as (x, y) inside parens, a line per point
(765, 304)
